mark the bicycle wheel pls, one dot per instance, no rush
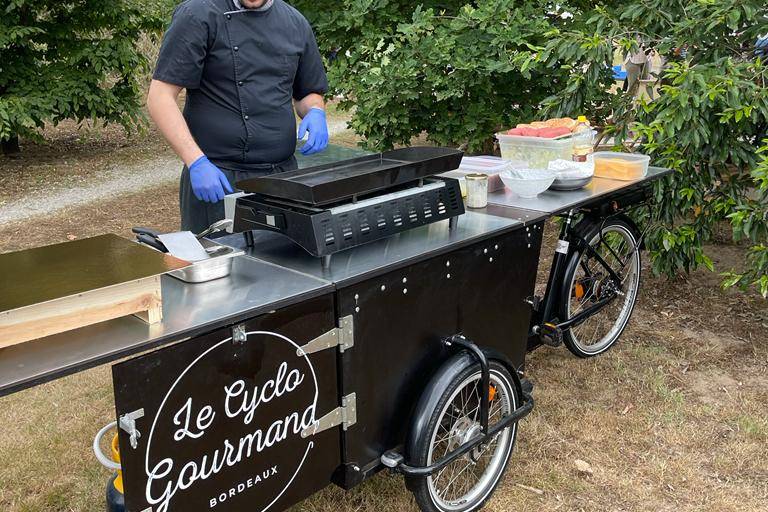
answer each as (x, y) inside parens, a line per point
(588, 282)
(465, 484)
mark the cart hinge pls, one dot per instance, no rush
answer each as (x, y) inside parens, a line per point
(127, 422)
(346, 416)
(342, 337)
(239, 334)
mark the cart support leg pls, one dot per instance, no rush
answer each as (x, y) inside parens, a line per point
(248, 235)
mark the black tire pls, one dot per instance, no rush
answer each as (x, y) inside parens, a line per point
(424, 488)
(577, 339)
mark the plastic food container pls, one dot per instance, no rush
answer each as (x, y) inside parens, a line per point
(536, 152)
(489, 165)
(621, 166)
(528, 183)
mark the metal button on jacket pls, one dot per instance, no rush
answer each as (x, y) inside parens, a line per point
(241, 69)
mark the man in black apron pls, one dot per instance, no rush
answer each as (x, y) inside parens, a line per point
(246, 65)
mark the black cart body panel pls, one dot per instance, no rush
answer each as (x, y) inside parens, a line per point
(399, 318)
(397, 353)
(222, 419)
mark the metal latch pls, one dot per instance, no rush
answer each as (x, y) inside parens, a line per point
(346, 416)
(127, 422)
(342, 337)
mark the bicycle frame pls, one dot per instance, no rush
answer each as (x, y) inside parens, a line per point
(545, 321)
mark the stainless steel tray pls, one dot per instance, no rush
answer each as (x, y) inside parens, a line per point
(219, 265)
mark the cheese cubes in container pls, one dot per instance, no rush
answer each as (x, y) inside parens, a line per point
(621, 166)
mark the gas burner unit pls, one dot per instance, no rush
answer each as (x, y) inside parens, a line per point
(334, 207)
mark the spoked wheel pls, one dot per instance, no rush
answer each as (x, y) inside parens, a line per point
(465, 484)
(587, 282)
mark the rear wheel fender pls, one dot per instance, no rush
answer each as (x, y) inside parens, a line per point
(444, 376)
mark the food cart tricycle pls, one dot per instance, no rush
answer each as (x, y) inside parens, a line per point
(366, 321)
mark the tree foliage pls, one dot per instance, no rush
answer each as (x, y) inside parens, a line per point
(71, 59)
(707, 125)
(750, 221)
(461, 70)
(456, 70)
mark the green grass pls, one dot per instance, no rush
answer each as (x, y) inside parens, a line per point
(754, 427)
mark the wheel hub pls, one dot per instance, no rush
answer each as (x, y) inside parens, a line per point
(606, 288)
(585, 288)
(462, 432)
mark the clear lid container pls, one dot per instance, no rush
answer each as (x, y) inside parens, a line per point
(621, 166)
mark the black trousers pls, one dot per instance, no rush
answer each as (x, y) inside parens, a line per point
(197, 215)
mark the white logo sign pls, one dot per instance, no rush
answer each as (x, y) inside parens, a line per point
(237, 402)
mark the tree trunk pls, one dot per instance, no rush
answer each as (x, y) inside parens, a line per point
(10, 146)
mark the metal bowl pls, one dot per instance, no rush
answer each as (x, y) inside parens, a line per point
(573, 184)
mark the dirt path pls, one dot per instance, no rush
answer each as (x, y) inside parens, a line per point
(116, 180)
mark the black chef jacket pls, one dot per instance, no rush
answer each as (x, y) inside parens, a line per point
(241, 69)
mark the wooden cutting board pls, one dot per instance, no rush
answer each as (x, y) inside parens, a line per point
(57, 288)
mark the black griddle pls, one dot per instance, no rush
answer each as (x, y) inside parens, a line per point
(333, 207)
(338, 181)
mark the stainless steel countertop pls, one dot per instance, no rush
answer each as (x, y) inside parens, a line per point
(277, 273)
(358, 263)
(552, 202)
(254, 287)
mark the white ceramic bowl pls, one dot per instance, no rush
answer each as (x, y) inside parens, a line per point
(528, 183)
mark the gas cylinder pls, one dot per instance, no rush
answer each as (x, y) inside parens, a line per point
(115, 498)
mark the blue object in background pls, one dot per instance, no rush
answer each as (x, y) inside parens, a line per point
(761, 46)
(619, 73)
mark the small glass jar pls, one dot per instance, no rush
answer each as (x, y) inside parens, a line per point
(477, 190)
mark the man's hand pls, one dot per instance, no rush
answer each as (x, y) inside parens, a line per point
(316, 124)
(208, 182)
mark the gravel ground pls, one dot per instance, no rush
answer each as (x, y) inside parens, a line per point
(117, 180)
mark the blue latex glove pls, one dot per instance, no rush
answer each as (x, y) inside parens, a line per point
(208, 182)
(315, 123)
